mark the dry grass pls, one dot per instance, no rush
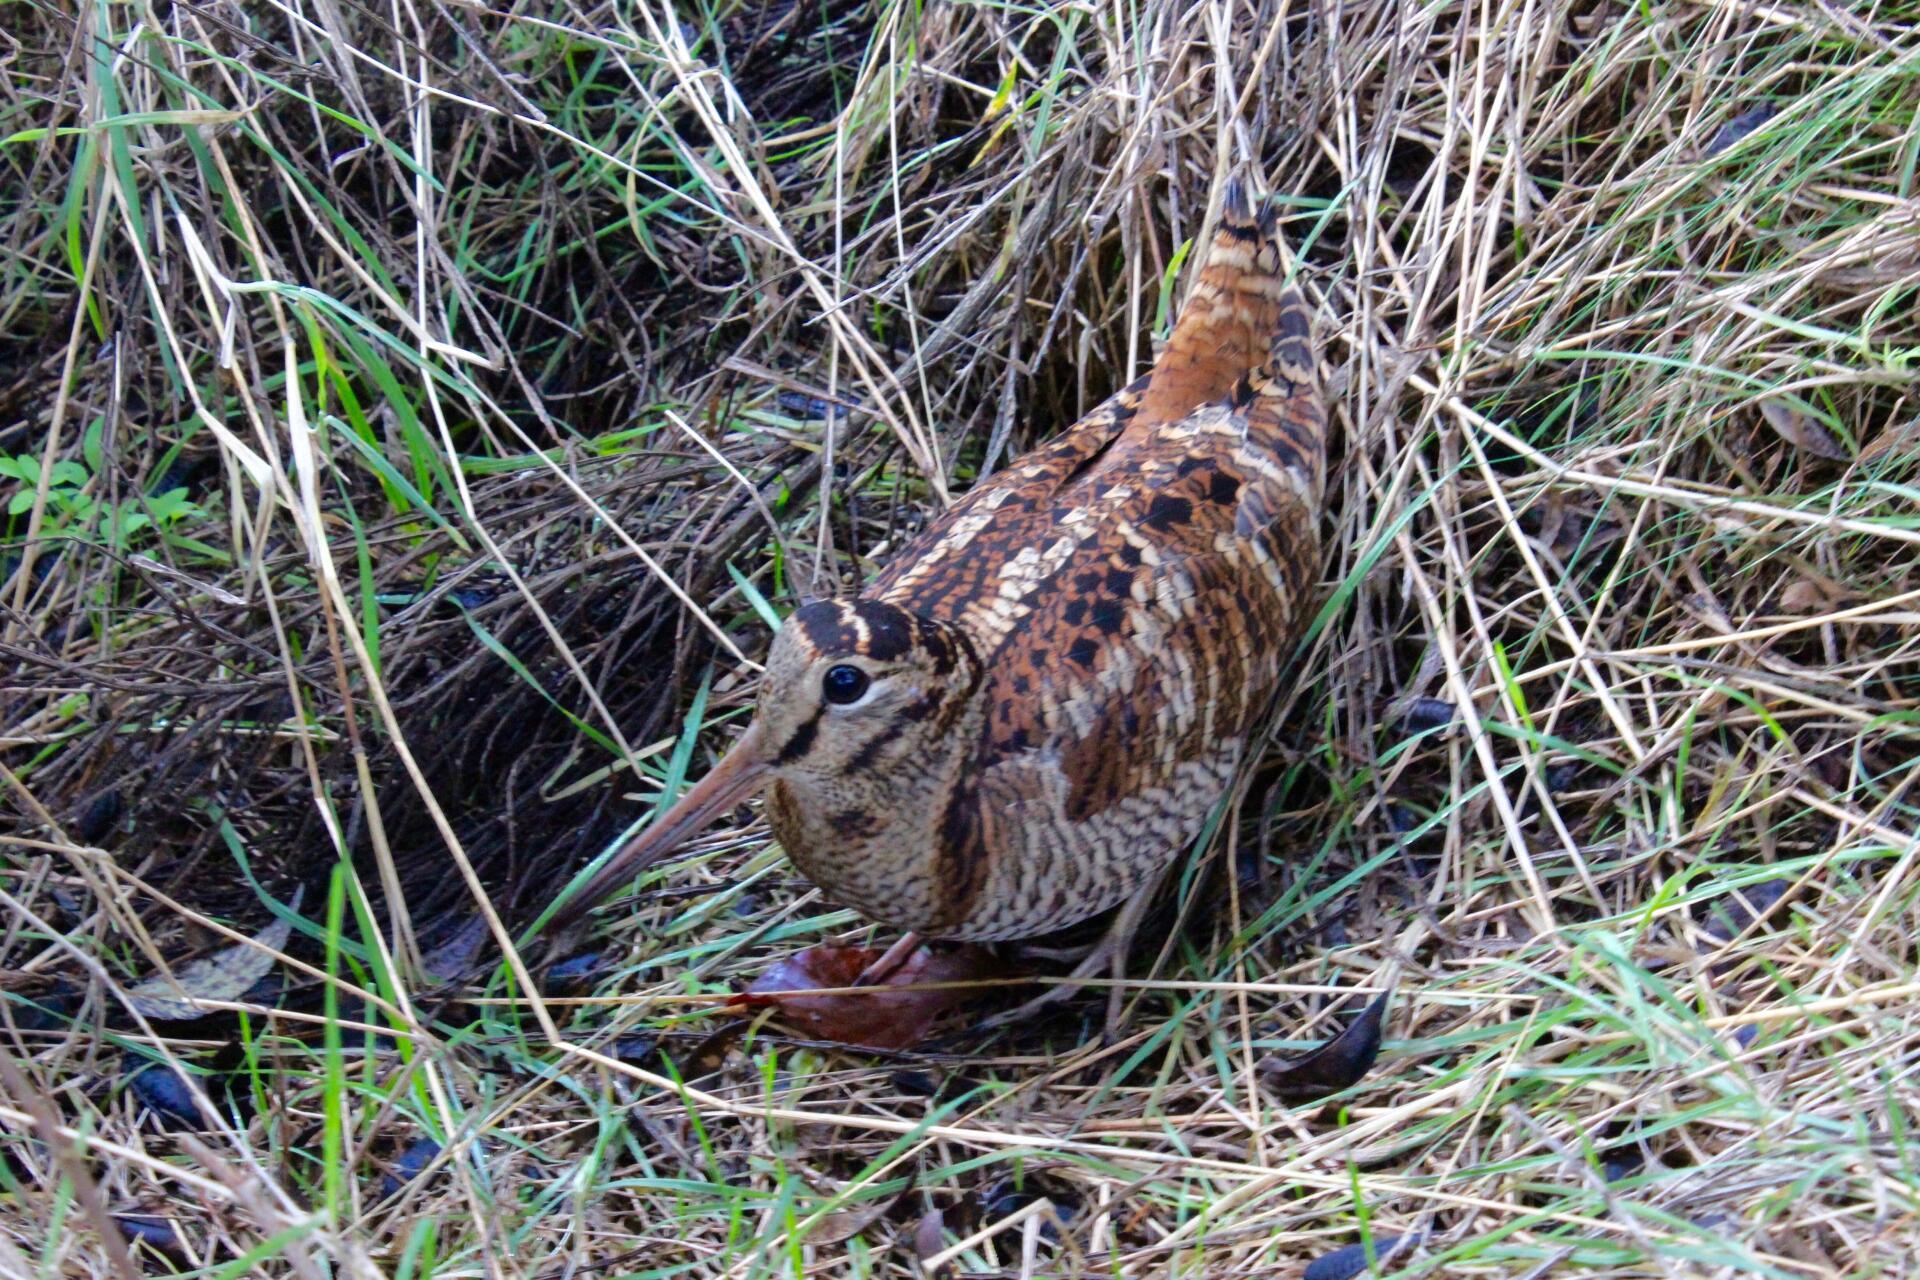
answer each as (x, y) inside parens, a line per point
(425, 407)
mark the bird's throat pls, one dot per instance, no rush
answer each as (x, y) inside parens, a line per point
(876, 835)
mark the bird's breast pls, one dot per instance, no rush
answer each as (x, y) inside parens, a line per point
(869, 843)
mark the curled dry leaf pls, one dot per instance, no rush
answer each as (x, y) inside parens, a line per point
(1805, 598)
(917, 1083)
(453, 958)
(226, 975)
(98, 817)
(1351, 1261)
(1738, 127)
(154, 1231)
(1571, 529)
(930, 1234)
(407, 1166)
(1621, 1163)
(167, 1095)
(810, 408)
(1335, 1065)
(709, 1053)
(1009, 1196)
(576, 972)
(887, 1015)
(1900, 441)
(1423, 714)
(1801, 429)
(685, 1058)
(642, 1048)
(1727, 917)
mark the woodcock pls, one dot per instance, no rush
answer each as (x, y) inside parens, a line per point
(1030, 712)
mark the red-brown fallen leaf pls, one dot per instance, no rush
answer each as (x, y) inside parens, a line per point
(886, 1015)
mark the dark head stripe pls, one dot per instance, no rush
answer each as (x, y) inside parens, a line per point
(889, 629)
(863, 759)
(802, 740)
(873, 628)
(826, 625)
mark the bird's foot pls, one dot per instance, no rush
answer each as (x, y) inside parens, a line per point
(890, 961)
(857, 996)
(1106, 958)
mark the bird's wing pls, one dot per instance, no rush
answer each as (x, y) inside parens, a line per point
(1101, 758)
(1241, 334)
(953, 559)
(1130, 670)
(1160, 612)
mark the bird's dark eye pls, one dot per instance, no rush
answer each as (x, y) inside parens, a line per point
(844, 684)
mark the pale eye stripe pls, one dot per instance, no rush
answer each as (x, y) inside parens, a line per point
(862, 633)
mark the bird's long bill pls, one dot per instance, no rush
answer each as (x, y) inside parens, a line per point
(738, 775)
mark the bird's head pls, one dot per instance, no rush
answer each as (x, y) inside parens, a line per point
(854, 684)
(853, 689)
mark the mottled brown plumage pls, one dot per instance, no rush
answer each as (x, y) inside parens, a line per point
(1054, 683)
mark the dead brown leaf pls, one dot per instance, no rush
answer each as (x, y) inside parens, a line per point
(930, 1234)
(1801, 429)
(224, 976)
(1900, 441)
(845, 1224)
(1738, 127)
(1335, 1065)
(1805, 597)
(888, 1015)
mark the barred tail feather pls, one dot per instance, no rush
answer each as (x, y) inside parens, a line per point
(1226, 329)
(1285, 412)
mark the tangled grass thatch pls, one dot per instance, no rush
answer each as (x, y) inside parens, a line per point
(416, 414)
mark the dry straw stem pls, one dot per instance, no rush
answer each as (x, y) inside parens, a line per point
(416, 414)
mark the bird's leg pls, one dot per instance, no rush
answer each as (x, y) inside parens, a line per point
(1073, 954)
(1110, 954)
(890, 960)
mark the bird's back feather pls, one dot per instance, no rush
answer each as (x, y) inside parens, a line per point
(1231, 313)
